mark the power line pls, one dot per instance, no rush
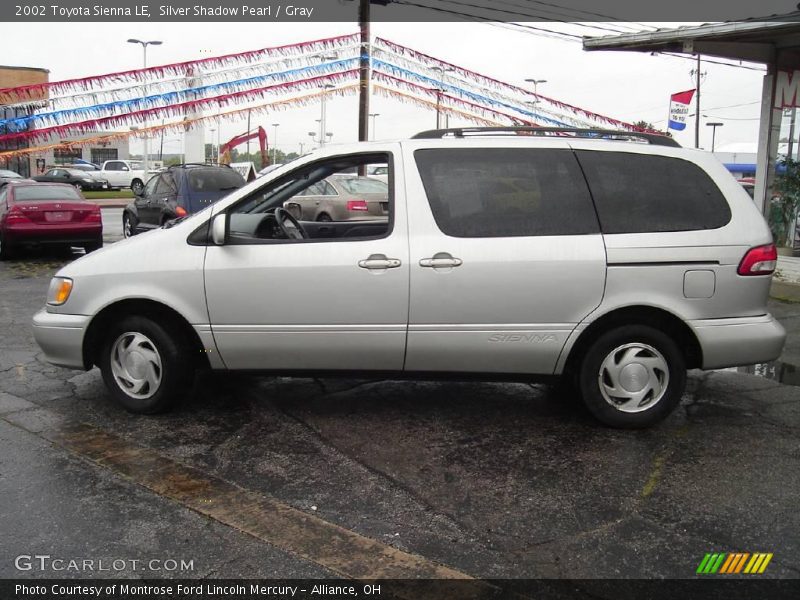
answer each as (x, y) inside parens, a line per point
(532, 15)
(734, 118)
(586, 12)
(531, 29)
(712, 61)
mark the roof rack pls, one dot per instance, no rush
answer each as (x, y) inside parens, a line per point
(198, 164)
(460, 132)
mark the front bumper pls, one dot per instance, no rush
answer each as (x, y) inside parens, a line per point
(739, 341)
(61, 337)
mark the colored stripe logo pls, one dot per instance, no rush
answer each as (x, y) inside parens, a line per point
(731, 563)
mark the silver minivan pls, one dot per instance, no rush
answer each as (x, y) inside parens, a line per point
(617, 260)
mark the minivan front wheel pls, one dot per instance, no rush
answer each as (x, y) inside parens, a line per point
(145, 365)
(632, 376)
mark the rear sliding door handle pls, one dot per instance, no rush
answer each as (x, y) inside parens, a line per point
(379, 262)
(441, 260)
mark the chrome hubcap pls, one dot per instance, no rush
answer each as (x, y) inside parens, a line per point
(126, 228)
(633, 377)
(136, 365)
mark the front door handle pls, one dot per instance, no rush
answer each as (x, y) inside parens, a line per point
(441, 260)
(379, 262)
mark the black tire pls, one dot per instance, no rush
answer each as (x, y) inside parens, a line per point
(96, 245)
(324, 218)
(128, 225)
(647, 354)
(175, 357)
(7, 251)
(137, 186)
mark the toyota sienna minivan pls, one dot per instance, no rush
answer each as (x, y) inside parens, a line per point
(616, 260)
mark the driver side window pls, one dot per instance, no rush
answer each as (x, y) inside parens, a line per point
(328, 200)
(149, 189)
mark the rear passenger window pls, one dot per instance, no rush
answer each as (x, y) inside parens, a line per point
(640, 193)
(501, 192)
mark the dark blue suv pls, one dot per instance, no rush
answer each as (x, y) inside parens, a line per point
(178, 191)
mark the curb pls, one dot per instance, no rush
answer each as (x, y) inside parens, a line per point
(111, 202)
(785, 291)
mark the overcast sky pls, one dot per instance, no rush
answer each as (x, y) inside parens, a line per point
(627, 86)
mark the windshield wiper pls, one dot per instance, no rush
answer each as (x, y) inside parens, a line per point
(173, 222)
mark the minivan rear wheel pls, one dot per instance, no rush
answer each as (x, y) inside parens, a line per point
(146, 365)
(632, 376)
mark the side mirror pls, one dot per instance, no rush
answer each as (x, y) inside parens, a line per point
(294, 209)
(219, 228)
(139, 191)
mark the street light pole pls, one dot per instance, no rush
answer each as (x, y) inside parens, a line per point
(212, 130)
(144, 45)
(714, 134)
(536, 83)
(442, 75)
(275, 142)
(322, 117)
(374, 116)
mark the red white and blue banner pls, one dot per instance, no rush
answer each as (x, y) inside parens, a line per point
(679, 109)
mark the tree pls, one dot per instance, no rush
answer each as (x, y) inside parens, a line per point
(647, 125)
(783, 210)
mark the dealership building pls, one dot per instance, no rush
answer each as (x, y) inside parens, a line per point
(773, 41)
(36, 162)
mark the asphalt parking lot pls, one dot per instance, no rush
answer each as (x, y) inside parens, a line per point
(278, 477)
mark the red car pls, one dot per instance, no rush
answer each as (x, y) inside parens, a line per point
(35, 214)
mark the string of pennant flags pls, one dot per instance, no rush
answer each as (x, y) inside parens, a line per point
(283, 75)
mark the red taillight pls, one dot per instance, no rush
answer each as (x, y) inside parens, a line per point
(94, 217)
(357, 205)
(760, 260)
(181, 212)
(15, 215)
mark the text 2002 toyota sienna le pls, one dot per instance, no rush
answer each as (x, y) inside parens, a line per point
(619, 264)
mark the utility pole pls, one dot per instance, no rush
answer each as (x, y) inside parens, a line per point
(697, 104)
(248, 134)
(789, 151)
(363, 72)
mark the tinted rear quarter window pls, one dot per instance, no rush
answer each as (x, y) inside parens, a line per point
(214, 180)
(506, 192)
(641, 193)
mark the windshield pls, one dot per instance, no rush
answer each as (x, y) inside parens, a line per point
(363, 185)
(135, 165)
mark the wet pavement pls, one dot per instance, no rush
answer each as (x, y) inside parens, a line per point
(262, 476)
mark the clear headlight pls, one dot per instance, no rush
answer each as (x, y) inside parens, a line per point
(59, 291)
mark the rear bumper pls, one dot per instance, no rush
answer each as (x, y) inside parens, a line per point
(61, 337)
(739, 341)
(49, 234)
